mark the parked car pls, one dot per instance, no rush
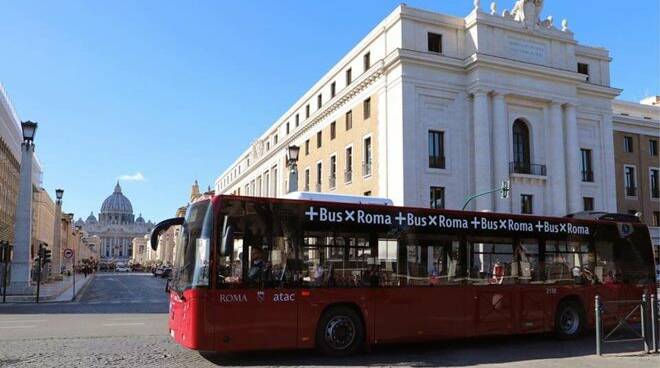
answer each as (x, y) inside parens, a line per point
(122, 269)
(158, 271)
(167, 272)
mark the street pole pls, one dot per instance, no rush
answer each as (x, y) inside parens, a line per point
(504, 189)
(38, 277)
(4, 257)
(73, 268)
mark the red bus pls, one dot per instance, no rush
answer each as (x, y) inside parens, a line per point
(264, 273)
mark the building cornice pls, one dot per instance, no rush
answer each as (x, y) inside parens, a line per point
(510, 65)
(598, 90)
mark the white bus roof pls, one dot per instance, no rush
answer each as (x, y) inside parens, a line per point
(341, 198)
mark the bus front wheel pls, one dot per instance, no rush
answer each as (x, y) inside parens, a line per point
(569, 319)
(340, 332)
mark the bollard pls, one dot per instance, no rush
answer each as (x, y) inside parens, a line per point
(598, 324)
(642, 311)
(654, 324)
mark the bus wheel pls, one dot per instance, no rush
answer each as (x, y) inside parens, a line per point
(569, 319)
(340, 332)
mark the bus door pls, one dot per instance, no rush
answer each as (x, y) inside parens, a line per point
(422, 296)
(493, 289)
(533, 297)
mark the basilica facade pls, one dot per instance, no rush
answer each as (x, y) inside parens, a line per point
(116, 227)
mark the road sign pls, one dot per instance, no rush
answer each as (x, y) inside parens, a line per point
(68, 253)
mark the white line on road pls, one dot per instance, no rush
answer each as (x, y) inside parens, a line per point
(31, 326)
(122, 324)
(23, 321)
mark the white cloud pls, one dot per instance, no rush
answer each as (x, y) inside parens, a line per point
(135, 177)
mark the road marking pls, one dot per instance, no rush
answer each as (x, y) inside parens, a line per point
(23, 321)
(30, 326)
(122, 324)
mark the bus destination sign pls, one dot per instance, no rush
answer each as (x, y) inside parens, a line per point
(402, 218)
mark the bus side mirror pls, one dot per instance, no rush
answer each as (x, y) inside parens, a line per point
(162, 226)
(227, 244)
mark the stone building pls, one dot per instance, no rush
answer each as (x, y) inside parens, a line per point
(428, 109)
(116, 227)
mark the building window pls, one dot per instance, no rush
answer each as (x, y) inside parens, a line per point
(367, 108)
(436, 149)
(587, 171)
(333, 130)
(306, 180)
(656, 218)
(435, 42)
(526, 204)
(274, 143)
(629, 180)
(307, 147)
(319, 173)
(521, 152)
(627, 144)
(367, 193)
(333, 89)
(366, 163)
(287, 127)
(653, 147)
(319, 139)
(437, 196)
(348, 174)
(274, 171)
(655, 183)
(319, 101)
(267, 149)
(297, 120)
(307, 111)
(588, 203)
(366, 61)
(333, 171)
(349, 120)
(349, 76)
(583, 68)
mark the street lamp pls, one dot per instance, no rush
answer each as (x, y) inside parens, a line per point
(20, 270)
(29, 130)
(59, 193)
(292, 154)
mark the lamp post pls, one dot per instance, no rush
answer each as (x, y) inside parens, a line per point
(57, 237)
(20, 269)
(293, 167)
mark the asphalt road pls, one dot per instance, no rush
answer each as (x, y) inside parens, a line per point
(120, 320)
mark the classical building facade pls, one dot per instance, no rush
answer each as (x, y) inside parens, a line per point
(116, 227)
(429, 108)
(637, 161)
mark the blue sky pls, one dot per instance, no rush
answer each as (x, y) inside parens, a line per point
(176, 90)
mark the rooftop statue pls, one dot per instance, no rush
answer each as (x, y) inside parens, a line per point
(527, 11)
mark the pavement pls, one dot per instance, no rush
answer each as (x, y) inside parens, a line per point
(120, 320)
(55, 291)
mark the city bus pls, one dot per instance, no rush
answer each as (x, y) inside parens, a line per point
(341, 275)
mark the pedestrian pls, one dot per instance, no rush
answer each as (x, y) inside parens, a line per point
(85, 271)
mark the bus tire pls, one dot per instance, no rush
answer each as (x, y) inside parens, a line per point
(570, 319)
(340, 332)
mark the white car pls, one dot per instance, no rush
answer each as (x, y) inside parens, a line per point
(122, 269)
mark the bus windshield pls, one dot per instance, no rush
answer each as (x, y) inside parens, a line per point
(192, 258)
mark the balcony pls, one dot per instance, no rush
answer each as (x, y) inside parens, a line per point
(332, 181)
(655, 193)
(588, 176)
(631, 191)
(318, 187)
(437, 162)
(526, 168)
(366, 168)
(348, 176)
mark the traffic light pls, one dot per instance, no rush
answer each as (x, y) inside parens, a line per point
(44, 254)
(5, 252)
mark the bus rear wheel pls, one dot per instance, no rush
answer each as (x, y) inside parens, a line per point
(340, 332)
(569, 320)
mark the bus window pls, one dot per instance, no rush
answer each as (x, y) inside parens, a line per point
(568, 262)
(606, 270)
(431, 260)
(335, 260)
(491, 261)
(528, 262)
(386, 261)
(230, 266)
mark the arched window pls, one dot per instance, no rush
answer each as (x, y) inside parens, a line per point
(521, 156)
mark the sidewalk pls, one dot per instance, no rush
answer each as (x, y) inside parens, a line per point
(54, 291)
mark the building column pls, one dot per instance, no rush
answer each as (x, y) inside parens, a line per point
(609, 200)
(573, 177)
(57, 241)
(556, 162)
(482, 152)
(20, 264)
(500, 149)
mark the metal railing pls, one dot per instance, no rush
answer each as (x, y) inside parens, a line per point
(437, 162)
(318, 187)
(587, 175)
(348, 176)
(366, 168)
(332, 181)
(631, 191)
(526, 168)
(655, 193)
(647, 333)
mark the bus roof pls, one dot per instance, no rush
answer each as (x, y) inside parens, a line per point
(340, 198)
